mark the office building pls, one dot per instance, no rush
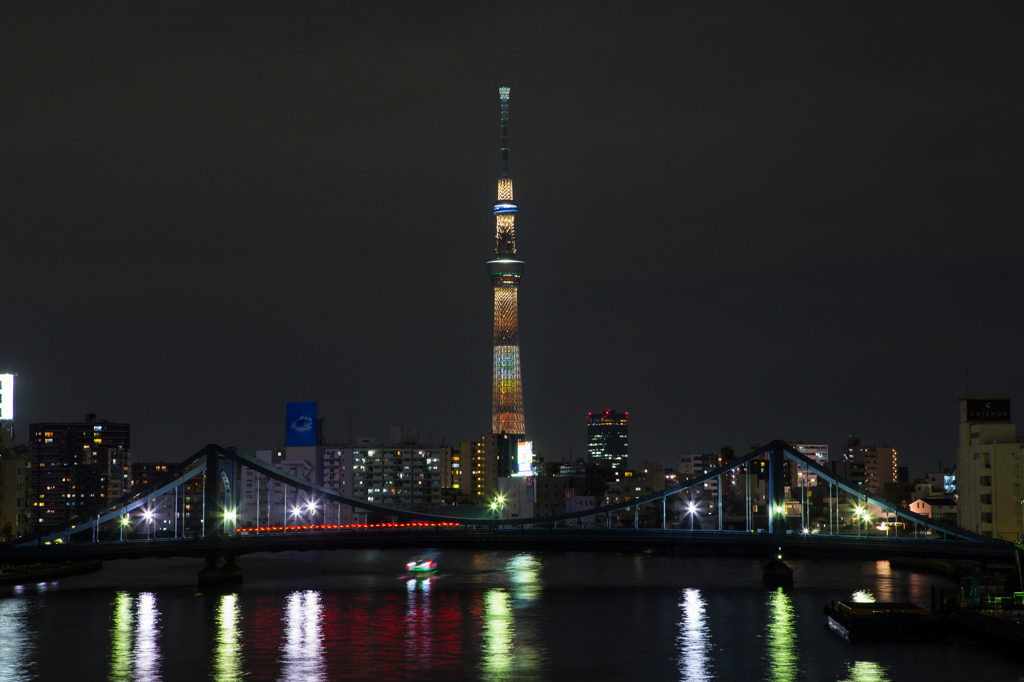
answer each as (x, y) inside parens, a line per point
(76, 467)
(988, 470)
(608, 439)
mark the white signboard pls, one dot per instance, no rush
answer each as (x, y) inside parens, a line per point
(524, 459)
(6, 397)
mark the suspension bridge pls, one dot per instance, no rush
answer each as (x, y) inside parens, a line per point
(766, 528)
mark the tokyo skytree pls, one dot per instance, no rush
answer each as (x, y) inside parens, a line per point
(505, 270)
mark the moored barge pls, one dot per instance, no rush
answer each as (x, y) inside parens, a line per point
(883, 620)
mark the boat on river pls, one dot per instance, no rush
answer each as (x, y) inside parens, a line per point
(883, 620)
(421, 567)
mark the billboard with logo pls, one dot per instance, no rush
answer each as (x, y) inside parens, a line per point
(6, 397)
(979, 410)
(524, 459)
(301, 424)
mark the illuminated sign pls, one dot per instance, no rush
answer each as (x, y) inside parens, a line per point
(976, 410)
(301, 428)
(6, 397)
(524, 459)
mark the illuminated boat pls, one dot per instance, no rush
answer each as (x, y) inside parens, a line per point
(421, 566)
(888, 620)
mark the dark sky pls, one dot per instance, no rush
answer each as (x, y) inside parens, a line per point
(740, 222)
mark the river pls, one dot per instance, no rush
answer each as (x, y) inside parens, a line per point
(356, 615)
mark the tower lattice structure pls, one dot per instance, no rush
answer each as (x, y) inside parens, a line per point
(505, 270)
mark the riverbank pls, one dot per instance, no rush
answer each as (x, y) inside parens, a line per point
(37, 573)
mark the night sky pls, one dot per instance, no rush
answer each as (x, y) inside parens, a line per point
(740, 222)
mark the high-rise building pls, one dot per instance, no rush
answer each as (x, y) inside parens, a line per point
(505, 271)
(144, 473)
(76, 467)
(879, 463)
(988, 470)
(608, 438)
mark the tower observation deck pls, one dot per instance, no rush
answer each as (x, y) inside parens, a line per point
(505, 271)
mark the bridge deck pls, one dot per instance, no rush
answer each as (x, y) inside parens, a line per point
(616, 540)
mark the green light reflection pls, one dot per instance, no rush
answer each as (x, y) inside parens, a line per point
(781, 636)
(228, 654)
(121, 639)
(866, 671)
(524, 569)
(498, 635)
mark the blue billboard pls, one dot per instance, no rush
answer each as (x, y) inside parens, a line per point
(301, 429)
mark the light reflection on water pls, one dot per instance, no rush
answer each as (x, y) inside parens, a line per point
(134, 650)
(147, 651)
(498, 634)
(15, 640)
(304, 647)
(490, 615)
(227, 659)
(866, 671)
(524, 569)
(418, 609)
(781, 639)
(694, 638)
(121, 638)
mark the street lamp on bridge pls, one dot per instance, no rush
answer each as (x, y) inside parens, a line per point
(691, 509)
(147, 514)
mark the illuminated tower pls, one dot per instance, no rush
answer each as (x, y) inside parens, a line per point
(505, 271)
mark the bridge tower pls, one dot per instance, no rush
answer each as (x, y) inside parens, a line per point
(777, 489)
(505, 271)
(220, 497)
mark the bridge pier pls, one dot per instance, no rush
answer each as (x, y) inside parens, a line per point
(776, 573)
(214, 577)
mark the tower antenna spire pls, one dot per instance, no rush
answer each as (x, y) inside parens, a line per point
(503, 92)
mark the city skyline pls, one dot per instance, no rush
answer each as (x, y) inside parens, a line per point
(823, 248)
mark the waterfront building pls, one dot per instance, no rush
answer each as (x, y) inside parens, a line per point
(939, 508)
(533, 496)
(608, 438)
(14, 487)
(76, 467)
(879, 464)
(988, 470)
(264, 502)
(648, 478)
(818, 453)
(401, 474)
(470, 471)
(505, 272)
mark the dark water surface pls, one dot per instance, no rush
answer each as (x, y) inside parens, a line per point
(355, 615)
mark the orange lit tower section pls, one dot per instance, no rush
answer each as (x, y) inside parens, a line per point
(505, 272)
